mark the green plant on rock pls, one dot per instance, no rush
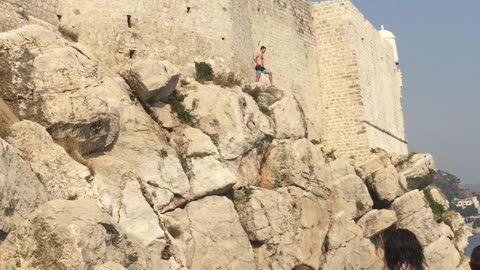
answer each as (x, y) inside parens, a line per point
(199, 155)
(265, 110)
(243, 196)
(176, 102)
(215, 138)
(227, 80)
(203, 72)
(40, 178)
(360, 206)
(163, 153)
(437, 209)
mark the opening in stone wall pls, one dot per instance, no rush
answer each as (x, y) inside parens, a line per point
(188, 9)
(129, 21)
(59, 17)
(132, 54)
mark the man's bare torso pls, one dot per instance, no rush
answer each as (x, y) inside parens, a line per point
(259, 59)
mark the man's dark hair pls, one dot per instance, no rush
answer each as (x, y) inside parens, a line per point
(302, 267)
(403, 249)
(263, 47)
(475, 259)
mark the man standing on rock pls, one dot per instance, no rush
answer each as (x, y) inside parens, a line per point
(259, 68)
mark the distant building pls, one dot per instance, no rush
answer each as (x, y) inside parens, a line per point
(462, 203)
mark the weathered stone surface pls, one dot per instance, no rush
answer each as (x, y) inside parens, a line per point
(229, 115)
(213, 236)
(295, 162)
(442, 255)
(357, 254)
(289, 123)
(387, 184)
(439, 197)
(425, 227)
(419, 171)
(352, 196)
(152, 80)
(376, 221)
(408, 204)
(57, 86)
(375, 164)
(162, 113)
(21, 192)
(71, 235)
(343, 231)
(289, 226)
(143, 146)
(7, 117)
(110, 266)
(62, 176)
(209, 176)
(192, 142)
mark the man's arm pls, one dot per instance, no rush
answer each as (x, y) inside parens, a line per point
(255, 57)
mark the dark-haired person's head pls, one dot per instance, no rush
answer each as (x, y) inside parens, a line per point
(475, 259)
(403, 251)
(263, 49)
(302, 267)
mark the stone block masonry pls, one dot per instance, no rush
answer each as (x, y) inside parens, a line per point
(326, 54)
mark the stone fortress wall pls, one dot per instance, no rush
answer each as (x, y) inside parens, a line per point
(326, 54)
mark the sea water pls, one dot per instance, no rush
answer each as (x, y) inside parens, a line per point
(473, 241)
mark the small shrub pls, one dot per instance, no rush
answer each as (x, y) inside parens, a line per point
(215, 139)
(203, 72)
(199, 155)
(253, 92)
(163, 153)
(244, 195)
(176, 101)
(72, 197)
(437, 209)
(40, 178)
(68, 34)
(360, 206)
(227, 80)
(276, 185)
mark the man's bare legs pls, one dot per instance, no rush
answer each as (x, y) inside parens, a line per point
(270, 77)
(258, 77)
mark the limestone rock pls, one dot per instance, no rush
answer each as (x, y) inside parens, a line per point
(375, 164)
(162, 113)
(71, 235)
(21, 191)
(144, 147)
(343, 231)
(229, 115)
(423, 224)
(57, 86)
(352, 196)
(419, 171)
(110, 266)
(7, 117)
(387, 184)
(376, 221)
(408, 204)
(152, 80)
(193, 142)
(357, 254)
(295, 162)
(209, 176)
(288, 226)
(267, 96)
(439, 197)
(62, 176)
(442, 255)
(289, 122)
(213, 235)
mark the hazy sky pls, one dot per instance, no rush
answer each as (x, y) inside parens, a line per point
(439, 47)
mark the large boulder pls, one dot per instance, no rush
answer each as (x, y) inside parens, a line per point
(356, 254)
(152, 80)
(289, 122)
(144, 147)
(288, 226)
(377, 221)
(71, 235)
(7, 117)
(419, 169)
(342, 231)
(230, 116)
(214, 239)
(57, 86)
(62, 176)
(442, 255)
(387, 184)
(408, 204)
(352, 196)
(21, 191)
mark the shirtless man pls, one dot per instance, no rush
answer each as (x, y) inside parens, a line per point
(259, 68)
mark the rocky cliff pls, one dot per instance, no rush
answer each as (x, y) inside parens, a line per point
(152, 170)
